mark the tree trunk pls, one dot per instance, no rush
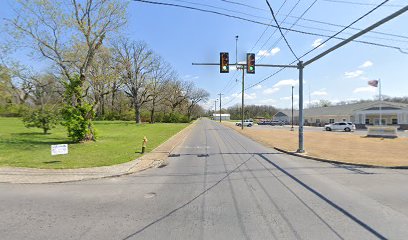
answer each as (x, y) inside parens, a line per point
(137, 114)
(152, 111)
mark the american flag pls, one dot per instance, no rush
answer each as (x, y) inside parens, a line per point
(373, 83)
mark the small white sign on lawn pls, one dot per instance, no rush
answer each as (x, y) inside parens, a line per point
(59, 149)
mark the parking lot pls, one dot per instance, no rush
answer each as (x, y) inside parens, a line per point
(347, 147)
(358, 132)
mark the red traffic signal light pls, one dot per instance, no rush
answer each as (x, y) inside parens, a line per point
(224, 62)
(251, 63)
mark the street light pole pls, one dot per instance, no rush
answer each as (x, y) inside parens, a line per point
(291, 129)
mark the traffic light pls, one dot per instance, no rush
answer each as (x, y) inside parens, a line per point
(224, 62)
(251, 63)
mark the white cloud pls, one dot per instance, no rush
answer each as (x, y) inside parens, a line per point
(317, 42)
(263, 53)
(353, 74)
(274, 51)
(270, 90)
(247, 96)
(287, 82)
(289, 98)
(250, 96)
(365, 89)
(366, 64)
(266, 53)
(267, 101)
(259, 86)
(321, 92)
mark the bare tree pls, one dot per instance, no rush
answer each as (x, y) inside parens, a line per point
(68, 34)
(103, 79)
(162, 73)
(177, 93)
(136, 61)
(196, 95)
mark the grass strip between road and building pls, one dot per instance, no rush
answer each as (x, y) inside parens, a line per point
(118, 142)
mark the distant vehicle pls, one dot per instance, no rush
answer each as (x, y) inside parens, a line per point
(272, 123)
(247, 123)
(266, 122)
(342, 126)
(276, 123)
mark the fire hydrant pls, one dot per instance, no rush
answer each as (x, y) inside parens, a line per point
(144, 144)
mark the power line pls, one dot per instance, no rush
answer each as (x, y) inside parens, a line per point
(358, 19)
(332, 37)
(280, 30)
(361, 3)
(295, 23)
(267, 27)
(328, 23)
(265, 24)
(282, 22)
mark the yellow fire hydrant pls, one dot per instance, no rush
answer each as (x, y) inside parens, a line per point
(144, 144)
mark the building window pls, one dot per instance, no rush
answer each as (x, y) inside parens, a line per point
(317, 120)
(367, 121)
(394, 121)
(331, 120)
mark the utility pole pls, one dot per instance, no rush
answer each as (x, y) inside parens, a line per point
(291, 129)
(220, 105)
(301, 65)
(301, 148)
(215, 107)
(380, 97)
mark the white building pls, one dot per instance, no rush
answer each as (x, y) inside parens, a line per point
(224, 116)
(362, 114)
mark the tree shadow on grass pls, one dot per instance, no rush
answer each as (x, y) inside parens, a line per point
(34, 138)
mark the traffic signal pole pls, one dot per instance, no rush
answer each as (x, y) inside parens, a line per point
(243, 94)
(301, 65)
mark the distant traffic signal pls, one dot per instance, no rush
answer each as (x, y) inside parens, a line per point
(251, 63)
(224, 62)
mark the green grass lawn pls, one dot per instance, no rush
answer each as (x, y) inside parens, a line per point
(117, 142)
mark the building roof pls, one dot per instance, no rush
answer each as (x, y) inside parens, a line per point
(341, 110)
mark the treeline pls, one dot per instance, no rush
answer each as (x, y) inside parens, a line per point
(251, 111)
(93, 74)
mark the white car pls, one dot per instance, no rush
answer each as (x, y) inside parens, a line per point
(342, 126)
(247, 123)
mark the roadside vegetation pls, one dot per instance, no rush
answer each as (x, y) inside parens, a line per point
(91, 72)
(118, 142)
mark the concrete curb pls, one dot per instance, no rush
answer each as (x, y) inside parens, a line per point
(155, 158)
(337, 162)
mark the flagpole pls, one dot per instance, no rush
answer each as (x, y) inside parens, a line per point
(379, 82)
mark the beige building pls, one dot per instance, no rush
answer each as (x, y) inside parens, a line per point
(362, 114)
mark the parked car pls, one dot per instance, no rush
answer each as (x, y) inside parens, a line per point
(342, 126)
(266, 122)
(276, 123)
(247, 123)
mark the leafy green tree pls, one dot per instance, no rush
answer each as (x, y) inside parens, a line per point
(69, 34)
(77, 115)
(46, 119)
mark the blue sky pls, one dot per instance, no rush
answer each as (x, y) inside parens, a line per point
(184, 36)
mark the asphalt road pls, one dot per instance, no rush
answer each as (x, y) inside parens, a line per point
(221, 186)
